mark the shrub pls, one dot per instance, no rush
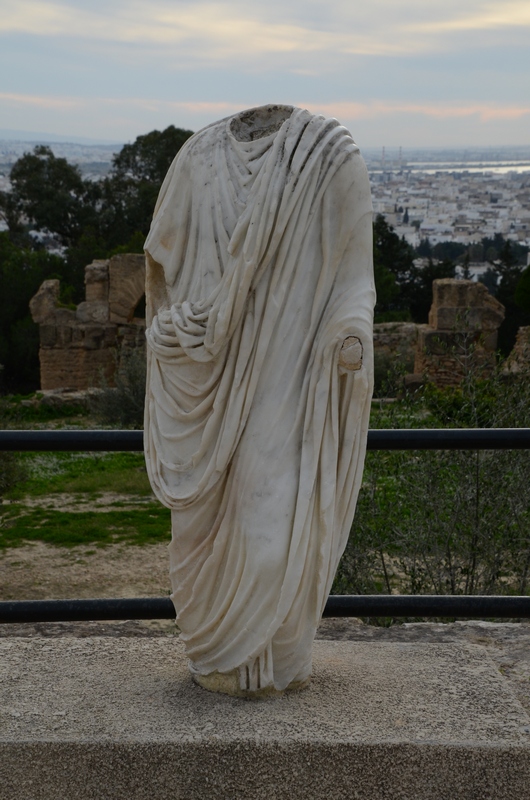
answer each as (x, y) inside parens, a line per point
(124, 404)
(11, 472)
(445, 522)
(11, 469)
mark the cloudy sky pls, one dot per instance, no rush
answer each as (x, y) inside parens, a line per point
(396, 72)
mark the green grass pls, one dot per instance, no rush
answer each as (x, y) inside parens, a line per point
(14, 414)
(88, 473)
(148, 525)
(86, 476)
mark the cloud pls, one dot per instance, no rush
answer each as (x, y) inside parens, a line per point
(39, 101)
(211, 110)
(490, 16)
(372, 124)
(215, 29)
(346, 110)
(232, 31)
(373, 110)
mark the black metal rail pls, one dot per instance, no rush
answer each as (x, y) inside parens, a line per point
(403, 439)
(71, 440)
(464, 606)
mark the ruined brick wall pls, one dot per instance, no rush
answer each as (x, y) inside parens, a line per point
(396, 340)
(462, 332)
(81, 349)
(519, 359)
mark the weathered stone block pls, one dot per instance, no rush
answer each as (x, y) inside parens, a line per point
(453, 319)
(97, 281)
(126, 286)
(461, 305)
(444, 343)
(462, 332)
(489, 341)
(519, 359)
(78, 334)
(396, 339)
(76, 368)
(413, 382)
(64, 335)
(93, 337)
(64, 316)
(48, 335)
(42, 305)
(93, 311)
(109, 335)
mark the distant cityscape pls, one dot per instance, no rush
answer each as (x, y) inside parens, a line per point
(459, 195)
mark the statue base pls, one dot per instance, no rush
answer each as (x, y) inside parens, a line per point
(119, 718)
(228, 683)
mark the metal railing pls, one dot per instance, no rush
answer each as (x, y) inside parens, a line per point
(373, 605)
(402, 439)
(395, 606)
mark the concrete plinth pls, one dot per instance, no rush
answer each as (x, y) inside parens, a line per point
(109, 719)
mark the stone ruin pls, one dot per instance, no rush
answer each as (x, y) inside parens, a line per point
(395, 341)
(82, 348)
(462, 332)
(519, 359)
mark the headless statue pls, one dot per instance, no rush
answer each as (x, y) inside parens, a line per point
(260, 300)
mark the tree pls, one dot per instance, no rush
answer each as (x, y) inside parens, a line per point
(49, 195)
(417, 291)
(404, 288)
(466, 273)
(511, 272)
(391, 251)
(128, 195)
(448, 251)
(90, 218)
(393, 261)
(148, 159)
(424, 249)
(522, 291)
(21, 273)
(490, 279)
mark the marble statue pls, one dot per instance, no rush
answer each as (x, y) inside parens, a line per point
(260, 300)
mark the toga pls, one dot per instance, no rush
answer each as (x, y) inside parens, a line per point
(259, 266)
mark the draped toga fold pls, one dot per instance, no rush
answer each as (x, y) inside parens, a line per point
(259, 266)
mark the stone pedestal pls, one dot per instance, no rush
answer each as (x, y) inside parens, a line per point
(106, 719)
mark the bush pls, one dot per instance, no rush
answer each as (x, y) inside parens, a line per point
(124, 404)
(11, 472)
(11, 469)
(445, 522)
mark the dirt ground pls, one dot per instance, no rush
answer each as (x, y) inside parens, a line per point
(39, 571)
(106, 501)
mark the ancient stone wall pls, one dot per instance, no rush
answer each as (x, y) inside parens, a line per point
(461, 334)
(82, 348)
(396, 340)
(519, 359)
